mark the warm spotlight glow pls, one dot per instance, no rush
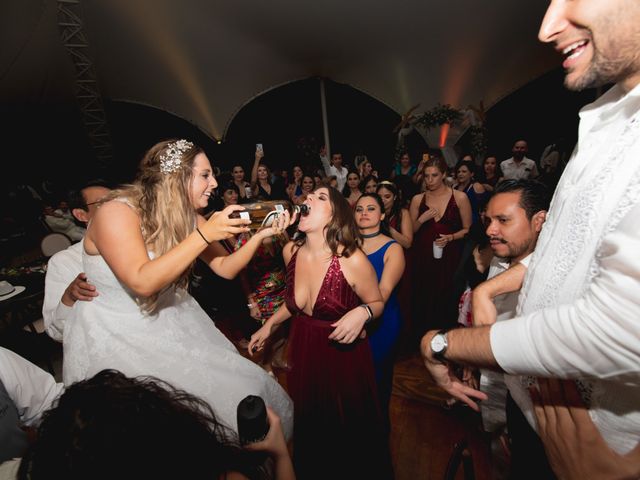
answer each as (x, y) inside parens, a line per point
(219, 142)
(162, 37)
(459, 73)
(444, 132)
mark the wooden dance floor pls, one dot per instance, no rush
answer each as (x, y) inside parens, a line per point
(424, 430)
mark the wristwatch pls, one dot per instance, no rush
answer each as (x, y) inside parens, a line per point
(439, 345)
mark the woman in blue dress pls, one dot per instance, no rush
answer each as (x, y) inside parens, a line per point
(466, 182)
(387, 257)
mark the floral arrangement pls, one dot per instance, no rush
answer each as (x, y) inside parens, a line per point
(439, 115)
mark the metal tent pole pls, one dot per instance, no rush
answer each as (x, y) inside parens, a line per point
(325, 122)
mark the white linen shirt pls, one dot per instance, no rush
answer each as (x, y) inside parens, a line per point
(341, 175)
(62, 268)
(580, 302)
(513, 171)
(32, 390)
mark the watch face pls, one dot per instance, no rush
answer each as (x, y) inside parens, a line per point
(438, 343)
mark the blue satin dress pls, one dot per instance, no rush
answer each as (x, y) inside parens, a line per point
(383, 336)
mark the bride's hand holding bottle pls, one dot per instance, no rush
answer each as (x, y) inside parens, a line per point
(220, 226)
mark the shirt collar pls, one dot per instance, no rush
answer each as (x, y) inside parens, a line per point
(612, 104)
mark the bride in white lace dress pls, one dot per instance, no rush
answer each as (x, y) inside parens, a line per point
(138, 251)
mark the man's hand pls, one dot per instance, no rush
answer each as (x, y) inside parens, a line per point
(445, 377)
(79, 289)
(574, 446)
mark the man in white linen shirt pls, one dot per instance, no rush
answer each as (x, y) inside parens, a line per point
(335, 169)
(519, 166)
(580, 303)
(65, 283)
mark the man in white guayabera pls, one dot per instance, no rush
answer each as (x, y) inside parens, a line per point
(579, 308)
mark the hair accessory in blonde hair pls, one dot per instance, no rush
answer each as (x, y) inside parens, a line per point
(170, 160)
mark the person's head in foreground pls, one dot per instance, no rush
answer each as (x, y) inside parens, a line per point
(112, 426)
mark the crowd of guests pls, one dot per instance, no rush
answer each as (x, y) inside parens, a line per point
(548, 290)
(401, 256)
(384, 286)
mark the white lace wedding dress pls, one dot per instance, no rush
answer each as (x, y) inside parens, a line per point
(179, 344)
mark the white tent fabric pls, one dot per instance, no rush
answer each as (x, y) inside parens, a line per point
(203, 60)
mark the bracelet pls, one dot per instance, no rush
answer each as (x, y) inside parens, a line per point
(369, 312)
(203, 237)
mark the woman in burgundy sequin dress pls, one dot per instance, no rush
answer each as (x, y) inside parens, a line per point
(338, 427)
(441, 215)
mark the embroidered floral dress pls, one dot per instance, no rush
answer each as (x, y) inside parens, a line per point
(266, 276)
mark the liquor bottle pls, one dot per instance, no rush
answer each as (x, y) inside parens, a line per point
(263, 214)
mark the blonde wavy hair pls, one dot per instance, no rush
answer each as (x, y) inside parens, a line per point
(163, 203)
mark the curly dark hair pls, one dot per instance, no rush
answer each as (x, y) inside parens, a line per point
(113, 426)
(341, 231)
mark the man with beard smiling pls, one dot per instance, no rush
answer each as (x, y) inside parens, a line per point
(579, 309)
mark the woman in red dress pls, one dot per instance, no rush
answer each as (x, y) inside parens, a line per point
(332, 291)
(441, 216)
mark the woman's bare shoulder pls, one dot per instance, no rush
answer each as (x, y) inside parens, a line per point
(357, 260)
(288, 250)
(114, 210)
(417, 198)
(460, 195)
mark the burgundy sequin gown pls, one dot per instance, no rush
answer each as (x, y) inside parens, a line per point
(338, 428)
(432, 279)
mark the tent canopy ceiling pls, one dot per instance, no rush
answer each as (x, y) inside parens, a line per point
(204, 60)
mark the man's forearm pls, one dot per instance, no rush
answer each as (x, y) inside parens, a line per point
(471, 346)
